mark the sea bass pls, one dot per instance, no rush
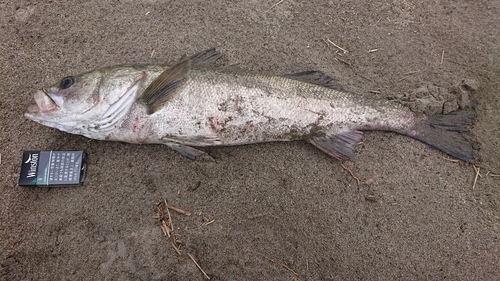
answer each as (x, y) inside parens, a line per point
(195, 104)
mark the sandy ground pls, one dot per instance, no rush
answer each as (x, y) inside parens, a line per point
(274, 211)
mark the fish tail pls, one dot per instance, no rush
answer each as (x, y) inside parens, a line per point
(444, 133)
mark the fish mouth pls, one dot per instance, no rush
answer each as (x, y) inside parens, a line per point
(44, 103)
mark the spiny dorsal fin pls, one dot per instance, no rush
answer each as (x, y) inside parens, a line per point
(162, 88)
(315, 77)
(204, 58)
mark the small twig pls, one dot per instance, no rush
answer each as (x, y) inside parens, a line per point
(165, 228)
(481, 166)
(199, 267)
(494, 175)
(343, 61)
(366, 78)
(178, 210)
(477, 175)
(373, 50)
(207, 222)
(191, 189)
(152, 53)
(210, 222)
(271, 260)
(337, 46)
(375, 92)
(451, 160)
(276, 4)
(376, 22)
(481, 176)
(370, 180)
(171, 223)
(371, 198)
(350, 172)
(411, 72)
(442, 57)
(407, 74)
(176, 248)
(166, 224)
(160, 215)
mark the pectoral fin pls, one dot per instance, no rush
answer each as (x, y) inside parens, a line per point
(165, 85)
(173, 78)
(340, 146)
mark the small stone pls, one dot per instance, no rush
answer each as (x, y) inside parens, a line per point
(463, 98)
(414, 106)
(433, 107)
(470, 84)
(421, 92)
(450, 106)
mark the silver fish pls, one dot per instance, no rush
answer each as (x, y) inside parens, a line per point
(194, 103)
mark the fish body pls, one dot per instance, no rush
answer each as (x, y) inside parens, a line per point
(194, 104)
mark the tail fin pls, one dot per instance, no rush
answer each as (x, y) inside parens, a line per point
(443, 133)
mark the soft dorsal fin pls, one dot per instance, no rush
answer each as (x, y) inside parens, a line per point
(315, 77)
(162, 88)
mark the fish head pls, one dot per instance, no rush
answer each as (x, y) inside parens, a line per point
(65, 104)
(85, 104)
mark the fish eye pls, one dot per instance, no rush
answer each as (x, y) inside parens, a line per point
(66, 82)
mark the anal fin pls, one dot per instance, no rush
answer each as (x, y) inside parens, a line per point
(340, 146)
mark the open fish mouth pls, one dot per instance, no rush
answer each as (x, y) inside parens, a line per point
(44, 103)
